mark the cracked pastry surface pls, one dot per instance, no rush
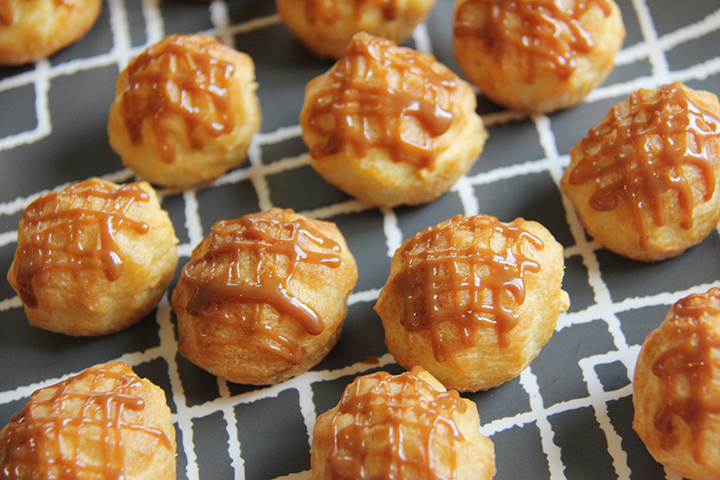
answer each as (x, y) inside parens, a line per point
(94, 258)
(105, 422)
(536, 56)
(263, 297)
(473, 300)
(31, 30)
(644, 181)
(185, 111)
(677, 388)
(401, 426)
(389, 125)
(325, 28)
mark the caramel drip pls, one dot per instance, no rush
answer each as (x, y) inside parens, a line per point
(328, 11)
(178, 77)
(57, 226)
(545, 29)
(33, 440)
(688, 371)
(643, 156)
(358, 110)
(278, 246)
(469, 286)
(401, 409)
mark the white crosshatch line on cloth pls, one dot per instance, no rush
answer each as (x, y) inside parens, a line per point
(652, 48)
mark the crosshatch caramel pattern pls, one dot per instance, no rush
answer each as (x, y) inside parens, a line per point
(567, 416)
(683, 129)
(557, 35)
(400, 408)
(484, 275)
(54, 226)
(83, 409)
(688, 365)
(251, 261)
(157, 77)
(378, 87)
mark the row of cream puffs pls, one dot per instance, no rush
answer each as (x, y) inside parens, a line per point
(108, 422)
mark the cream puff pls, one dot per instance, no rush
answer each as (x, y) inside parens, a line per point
(536, 56)
(105, 422)
(185, 111)
(473, 300)
(644, 181)
(31, 30)
(264, 297)
(677, 388)
(389, 125)
(401, 426)
(325, 28)
(94, 258)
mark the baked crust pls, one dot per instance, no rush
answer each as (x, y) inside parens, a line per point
(263, 297)
(325, 28)
(536, 56)
(677, 388)
(409, 140)
(473, 300)
(105, 422)
(31, 30)
(185, 111)
(644, 181)
(94, 258)
(401, 426)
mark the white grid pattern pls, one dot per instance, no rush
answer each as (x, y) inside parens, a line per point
(652, 48)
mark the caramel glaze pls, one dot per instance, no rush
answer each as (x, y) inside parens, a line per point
(367, 113)
(400, 406)
(56, 226)
(178, 77)
(485, 285)
(278, 245)
(546, 29)
(7, 14)
(328, 11)
(688, 371)
(33, 441)
(630, 167)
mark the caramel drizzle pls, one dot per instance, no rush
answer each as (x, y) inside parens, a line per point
(358, 111)
(7, 14)
(545, 29)
(33, 444)
(688, 371)
(485, 286)
(631, 168)
(64, 218)
(278, 246)
(178, 77)
(328, 11)
(411, 410)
